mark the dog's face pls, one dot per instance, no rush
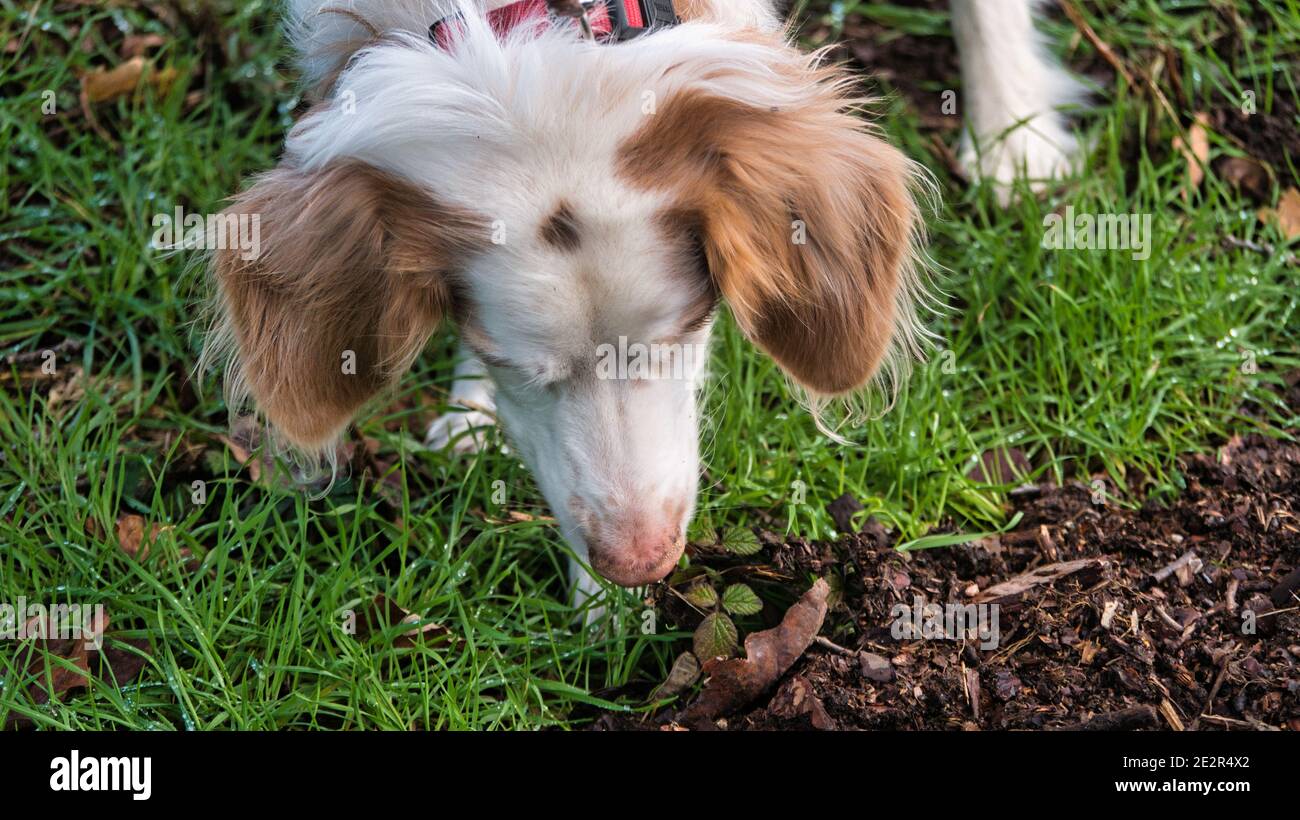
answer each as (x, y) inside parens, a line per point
(579, 212)
(594, 326)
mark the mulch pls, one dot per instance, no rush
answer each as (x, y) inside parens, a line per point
(1180, 614)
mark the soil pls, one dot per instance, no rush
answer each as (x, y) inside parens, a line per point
(1183, 614)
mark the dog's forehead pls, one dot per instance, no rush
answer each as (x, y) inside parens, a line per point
(577, 263)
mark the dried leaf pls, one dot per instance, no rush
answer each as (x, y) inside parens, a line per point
(242, 441)
(1196, 151)
(57, 666)
(1246, 175)
(685, 671)
(122, 665)
(768, 655)
(1286, 215)
(135, 537)
(130, 536)
(135, 45)
(104, 85)
(1005, 465)
(1011, 589)
(387, 614)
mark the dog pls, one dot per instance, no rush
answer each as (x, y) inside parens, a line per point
(562, 185)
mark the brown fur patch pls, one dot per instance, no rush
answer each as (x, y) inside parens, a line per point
(354, 265)
(762, 179)
(692, 272)
(692, 9)
(560, 229)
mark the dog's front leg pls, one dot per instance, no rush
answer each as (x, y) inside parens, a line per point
(467, 423)
(1012, 90)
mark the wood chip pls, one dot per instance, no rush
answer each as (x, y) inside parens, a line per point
(1016, 587)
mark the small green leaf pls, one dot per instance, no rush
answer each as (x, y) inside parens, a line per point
(716, 635)
(741, 541)
(703, 533)
(739, 599)
(702, 595)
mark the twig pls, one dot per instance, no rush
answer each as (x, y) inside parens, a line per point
(1136, 717)
(1103, 48)
(1258, 247)
(1214, 690)
(1164, 616)
(1170, 715)
(1169, 569)
(1257, 725)
(827, 643)
(1111, 57)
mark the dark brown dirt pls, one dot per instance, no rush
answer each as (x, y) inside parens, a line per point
(1213, 645)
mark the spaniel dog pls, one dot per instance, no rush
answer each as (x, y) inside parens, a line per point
(578, 188)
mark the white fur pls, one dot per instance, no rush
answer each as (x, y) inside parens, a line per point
(509, 128)
(1014, 90)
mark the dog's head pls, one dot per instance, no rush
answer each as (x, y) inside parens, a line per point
(579, 210)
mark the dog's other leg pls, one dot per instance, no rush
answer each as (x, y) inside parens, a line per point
(1012, 89)
(467, 422)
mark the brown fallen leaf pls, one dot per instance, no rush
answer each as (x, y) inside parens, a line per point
(1247, 175)
(50, 678)
(1001, 466)
(510, 517)
(1286, 215)
(1013, 588)
(242, 441)
(386, 614)
(120, 666)
(130, 535)
(1195, 151)
(797, 699)
(105, 84)
(135, 45)
(685, 671)
(769, 654)
(135, 537)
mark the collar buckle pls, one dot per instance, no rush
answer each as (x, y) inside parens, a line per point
(632, 18)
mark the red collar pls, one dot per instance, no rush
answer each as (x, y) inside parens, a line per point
(611, 20)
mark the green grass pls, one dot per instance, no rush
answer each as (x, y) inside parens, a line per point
(1089, 362)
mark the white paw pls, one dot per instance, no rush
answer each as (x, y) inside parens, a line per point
(1038, 151)
(465, 431)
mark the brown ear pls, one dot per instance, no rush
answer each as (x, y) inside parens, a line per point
(808, 218)
(349, 281)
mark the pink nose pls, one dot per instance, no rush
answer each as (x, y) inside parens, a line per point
(643, 558)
